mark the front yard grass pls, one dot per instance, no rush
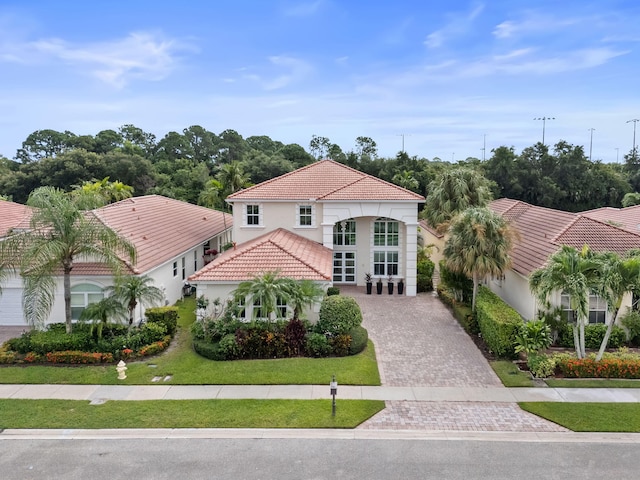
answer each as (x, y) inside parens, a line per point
(185, 414)
(510, 375)
(589, 417)
(188, 368)
(591, 383)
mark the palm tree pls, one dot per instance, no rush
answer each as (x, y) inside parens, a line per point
(265, 290)
(60, 232)
(211, 195)
(573, 273)
(302, 293)
(233, 177)
(616, 277)
(478, 245)
(406, 179)
(131, 290)
(452, 192)
(105, 190)
(101, 312)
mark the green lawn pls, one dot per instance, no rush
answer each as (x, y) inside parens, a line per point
(510, 375)
(188, 368)
(186, 414)
(592, 383)
(589, 417)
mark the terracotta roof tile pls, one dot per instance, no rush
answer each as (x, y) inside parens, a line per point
(162, 228)
(326, 180)
(627, 218)
(290, 254)
(543, 230)
(13, 215)
(425, 226)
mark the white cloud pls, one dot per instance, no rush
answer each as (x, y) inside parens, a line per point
(458, 25)
(137, 56)
(534, 23)
(296, 70)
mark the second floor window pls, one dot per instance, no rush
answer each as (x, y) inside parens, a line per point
(253, 214)
(344, 233)
(385, 233)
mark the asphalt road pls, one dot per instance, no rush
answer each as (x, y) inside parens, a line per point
(284, 459)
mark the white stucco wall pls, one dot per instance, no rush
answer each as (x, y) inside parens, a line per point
(514, 290)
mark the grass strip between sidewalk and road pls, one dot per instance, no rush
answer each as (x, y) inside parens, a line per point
(36, 414)
(510, 375)
(589, 417)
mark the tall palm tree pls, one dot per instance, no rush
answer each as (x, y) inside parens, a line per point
(60, 233)
(616, 277)
(478, 245)
(406, 179)
(131, 290)
(452, 192)
(233, 177)
(211, 195)
(101, 312)
(573, 273)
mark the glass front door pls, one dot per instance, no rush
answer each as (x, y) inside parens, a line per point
(344, 267)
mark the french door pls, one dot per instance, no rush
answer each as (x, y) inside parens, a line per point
(344, 267)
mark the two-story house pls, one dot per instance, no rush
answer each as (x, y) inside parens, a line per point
(326, 222)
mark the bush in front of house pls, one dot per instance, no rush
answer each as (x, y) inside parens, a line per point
(424, 270)
(610, 366)
(331, 291)
(460, 286)
(631, 321)
(499, 323)
(338, 315)
(594, 333)
(359, 339)
(167, 316)
(461, 311)
(318, 345)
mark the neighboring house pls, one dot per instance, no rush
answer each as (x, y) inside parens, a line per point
(170, 237)
(627, 218)
(429, 236)
(341, 218)
(542, 231)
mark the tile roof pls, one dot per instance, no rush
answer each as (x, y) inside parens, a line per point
(162, 228)
(326, 180)
(627, 218)
(425, 226)
(13, 215)
(290, 254)
(543, 230)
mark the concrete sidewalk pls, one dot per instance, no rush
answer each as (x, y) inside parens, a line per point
(102, 393)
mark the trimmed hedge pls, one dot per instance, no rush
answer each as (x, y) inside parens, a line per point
(167, 316)
(498, 322)
(208, 350)
(79, 358)
(605, 368)
(461, 311)
(359, 339)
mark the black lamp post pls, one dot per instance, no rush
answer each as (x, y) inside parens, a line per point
(334, 391)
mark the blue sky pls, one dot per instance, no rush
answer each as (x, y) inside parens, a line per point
(446, 74)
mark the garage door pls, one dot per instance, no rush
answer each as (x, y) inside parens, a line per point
(11, 307)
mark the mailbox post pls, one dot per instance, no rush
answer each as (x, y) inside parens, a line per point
(334, 391)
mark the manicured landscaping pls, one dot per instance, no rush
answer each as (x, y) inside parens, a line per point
(591, 383)
(188, 368)
(589, 417)
(185, 414)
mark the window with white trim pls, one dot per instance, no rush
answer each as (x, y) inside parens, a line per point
(83, 295)
(386, 233)
(305, 216)
(257, 312)
(184, 268)
(344, 233)
(597, 308)
(385, 263)
(281, 308)
(195, 260)
(241, 308)
(175, 269)
(253, 215)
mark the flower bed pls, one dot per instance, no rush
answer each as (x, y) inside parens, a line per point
(609, 367)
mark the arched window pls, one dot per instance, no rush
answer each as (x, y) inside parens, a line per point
(83, 295)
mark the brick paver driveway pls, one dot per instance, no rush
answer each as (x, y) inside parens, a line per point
(420, 344)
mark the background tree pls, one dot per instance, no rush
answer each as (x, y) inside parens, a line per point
(479, 244)
(59, 233)
(133, 290)
(319, 146)
(232, 177)
(452, 192)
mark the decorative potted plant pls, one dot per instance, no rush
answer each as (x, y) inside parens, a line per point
(400, 286)
(390, 285)
(367, 279)
(379, 286)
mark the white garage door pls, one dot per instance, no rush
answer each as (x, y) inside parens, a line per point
(11, 307)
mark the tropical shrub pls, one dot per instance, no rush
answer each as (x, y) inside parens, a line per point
(532, 337)
(594, 333)
(333, 291)
(340, 344)
(631, 321)
(608, 367)
(228, 347)
(499, 323)
(167, 316)
(425, 270)
(209, 350)
(541, 366)
(460, 285)
(43, 342)
(338, 315)
(359, 338)
(294, 334)
(155, 347)
(318, 345)
(77, 357)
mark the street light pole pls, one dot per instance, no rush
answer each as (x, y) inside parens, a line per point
(591, 143)
(635, 120)
(544, 123)
(403, 135)
(484, 145)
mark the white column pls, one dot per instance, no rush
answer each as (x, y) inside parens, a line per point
(327, 235)
(411, 259)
